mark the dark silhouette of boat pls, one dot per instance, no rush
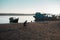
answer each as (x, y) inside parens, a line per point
(12, 20)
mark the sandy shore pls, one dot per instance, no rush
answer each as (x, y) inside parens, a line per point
(49, 30)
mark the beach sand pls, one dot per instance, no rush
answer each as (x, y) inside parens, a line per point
(48, 30)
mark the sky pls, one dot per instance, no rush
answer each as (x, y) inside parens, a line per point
(30, 6)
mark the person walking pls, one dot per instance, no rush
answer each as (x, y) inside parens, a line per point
(25, 23)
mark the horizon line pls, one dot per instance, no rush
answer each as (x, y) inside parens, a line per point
(10, 14)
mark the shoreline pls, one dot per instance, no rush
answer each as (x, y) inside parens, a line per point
(33, 31)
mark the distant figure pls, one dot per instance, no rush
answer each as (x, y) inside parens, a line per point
(25, 23)
(31, 21)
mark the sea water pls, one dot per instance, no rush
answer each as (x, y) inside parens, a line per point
(5, 19)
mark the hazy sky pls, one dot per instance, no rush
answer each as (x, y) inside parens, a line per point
(30, 6)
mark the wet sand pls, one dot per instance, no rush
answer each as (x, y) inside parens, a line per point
(49, 30)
